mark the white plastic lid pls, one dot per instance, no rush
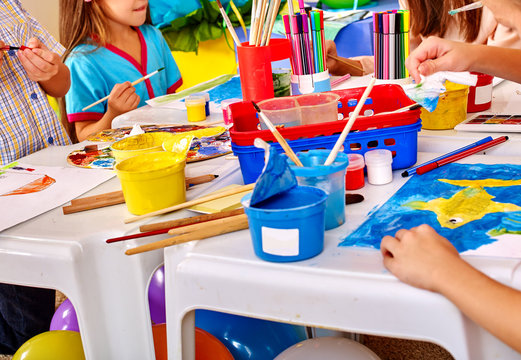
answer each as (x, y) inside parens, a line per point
(205, 95)
(356, 161)
(378, 157)
(194, 100)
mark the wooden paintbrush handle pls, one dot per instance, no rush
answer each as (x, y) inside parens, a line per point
(189, 221)
(353, 65)
(210, 229)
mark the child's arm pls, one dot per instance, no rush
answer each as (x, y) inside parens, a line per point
(122, 98)
(46, 68)
(436, 54)
(423, 258)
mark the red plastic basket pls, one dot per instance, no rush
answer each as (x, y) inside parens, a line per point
(383, 98)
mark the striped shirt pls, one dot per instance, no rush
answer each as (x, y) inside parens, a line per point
(27, 121)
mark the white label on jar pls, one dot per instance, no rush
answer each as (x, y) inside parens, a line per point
(483, 94)
(283, 242)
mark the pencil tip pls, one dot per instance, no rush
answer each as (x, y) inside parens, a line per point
(257, 108)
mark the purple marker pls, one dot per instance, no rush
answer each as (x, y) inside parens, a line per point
(307, 45)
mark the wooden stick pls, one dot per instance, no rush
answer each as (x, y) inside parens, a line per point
(402, 109)
(261, 22)
(287, 149)
(189, 221)
(201, 200)
(116, 197)
(206, 230)
(355, 68)
(228, 24)
(349, 125)
(272, 22)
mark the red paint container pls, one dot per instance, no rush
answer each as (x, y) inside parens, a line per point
(355, 172)
(480, 96)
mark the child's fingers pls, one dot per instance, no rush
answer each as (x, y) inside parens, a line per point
(43, 65)
(35, 43)
(118, 89)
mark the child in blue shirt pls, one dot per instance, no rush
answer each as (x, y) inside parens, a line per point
(109, 44)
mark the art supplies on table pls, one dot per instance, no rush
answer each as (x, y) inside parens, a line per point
(491, 123)
(28, 190)
(469, 204)
(226, 203)
(92, 158)
(480, 95)
(391, 44)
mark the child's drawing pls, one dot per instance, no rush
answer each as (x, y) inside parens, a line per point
(469, 204)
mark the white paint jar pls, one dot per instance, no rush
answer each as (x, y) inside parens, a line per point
(379, 166)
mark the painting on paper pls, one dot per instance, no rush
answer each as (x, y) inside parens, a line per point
(476, 206)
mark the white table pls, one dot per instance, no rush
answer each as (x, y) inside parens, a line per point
(343, 288)
(107, 288)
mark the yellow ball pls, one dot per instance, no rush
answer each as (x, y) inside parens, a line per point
(52, 345)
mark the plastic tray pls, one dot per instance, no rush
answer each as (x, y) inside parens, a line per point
(383, 98)
(402, 141)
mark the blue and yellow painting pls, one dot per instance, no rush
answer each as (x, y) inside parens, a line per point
(469, 204)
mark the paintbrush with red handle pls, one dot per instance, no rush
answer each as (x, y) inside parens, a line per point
(9, 47)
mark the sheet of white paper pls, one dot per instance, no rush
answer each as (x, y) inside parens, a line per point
(65, 184)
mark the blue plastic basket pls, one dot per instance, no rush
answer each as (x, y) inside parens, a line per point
(402, 141)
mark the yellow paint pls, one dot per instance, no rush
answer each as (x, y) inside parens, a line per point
(195, 109)
(469, 204)
(139, 144)
(214, 58)
(179, 143)
(152, 181)
(451, 109)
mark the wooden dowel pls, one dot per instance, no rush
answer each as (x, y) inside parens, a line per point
(201, 226)
(189, 221)
(116, 197)
(201, 200)
(224, 226)
(355, 68)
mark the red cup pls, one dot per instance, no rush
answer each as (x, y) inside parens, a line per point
(255, 68)
(480, 96)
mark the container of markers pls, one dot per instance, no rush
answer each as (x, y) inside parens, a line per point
(312, 83)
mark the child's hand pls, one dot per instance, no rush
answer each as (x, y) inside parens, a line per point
(40, 63)
(2, 44)
(332, 64)
(418, 256)
(435, 54)
(122, 98)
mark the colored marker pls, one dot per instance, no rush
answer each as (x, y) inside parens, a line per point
(412, 170)
(434, 165)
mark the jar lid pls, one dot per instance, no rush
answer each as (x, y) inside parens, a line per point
(356, 161)
(194, 100)
(378, 157)
(205, 95)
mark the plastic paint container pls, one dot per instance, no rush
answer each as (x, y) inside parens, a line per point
(480, 96)
(195, 108)
(206, 97)
(451, 109)
(379, 166)
(281, 111)
(139, 144)
(289, 226)
(318, 108)
(227, 113)
(329, 178)
(152, 181)
(355, 178)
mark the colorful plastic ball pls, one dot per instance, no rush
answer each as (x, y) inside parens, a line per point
(207, 347)
(330, 348)
(249, 338)
(52, 345)
(65, 318)
(156, 296)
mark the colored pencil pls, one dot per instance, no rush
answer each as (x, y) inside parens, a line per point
(332, 155)
(340, 80)
(278, 136)
(412, 170)
(187, 204)
(204, 231)
(473, 6)
(228, 24)
(133, 84)
(436, 164)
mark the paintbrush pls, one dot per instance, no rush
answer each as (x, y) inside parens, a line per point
(473, 6)
(402, 109)
(9, 47)
(354, 66)
(133, 84)
(278, 136)
(229, 24)
(349, 125)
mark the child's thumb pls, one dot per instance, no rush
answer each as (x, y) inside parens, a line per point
(429, 67)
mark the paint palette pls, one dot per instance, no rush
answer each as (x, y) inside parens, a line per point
(90, 158)
(111, 135)
(491, 123)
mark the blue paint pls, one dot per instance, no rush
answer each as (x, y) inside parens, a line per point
(228, 90)
(392, 216)
(329, 178)
(288, 227)
(105, 163)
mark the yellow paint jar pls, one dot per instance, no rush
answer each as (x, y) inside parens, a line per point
(152, 181)
(195, 108)
(451, 108)
(139, 144)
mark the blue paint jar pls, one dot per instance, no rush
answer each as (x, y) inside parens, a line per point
(329, 178)
(288, 226)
